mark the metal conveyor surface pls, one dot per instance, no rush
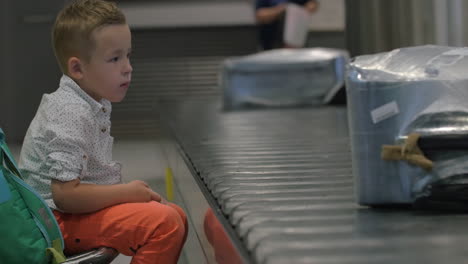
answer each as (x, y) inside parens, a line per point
(281, 183)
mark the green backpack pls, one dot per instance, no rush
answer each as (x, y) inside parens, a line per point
(28, 230)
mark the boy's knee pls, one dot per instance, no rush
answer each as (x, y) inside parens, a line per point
(171, 221)
(179, 210)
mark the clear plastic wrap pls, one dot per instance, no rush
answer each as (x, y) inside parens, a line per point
(283, 77)
(420, 90)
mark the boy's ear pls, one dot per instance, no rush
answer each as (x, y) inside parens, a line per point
(75, 68)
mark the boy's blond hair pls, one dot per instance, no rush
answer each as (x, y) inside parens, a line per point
(71, 33)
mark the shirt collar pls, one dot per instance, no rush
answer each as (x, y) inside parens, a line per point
(69, 84)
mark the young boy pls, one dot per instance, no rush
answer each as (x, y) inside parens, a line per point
(67, 151)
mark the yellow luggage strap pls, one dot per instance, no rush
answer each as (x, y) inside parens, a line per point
(56, 252)
(409, 152)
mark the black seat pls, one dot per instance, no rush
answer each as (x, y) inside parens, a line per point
(103, 255)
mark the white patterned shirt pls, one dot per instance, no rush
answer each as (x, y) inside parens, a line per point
(69, 138)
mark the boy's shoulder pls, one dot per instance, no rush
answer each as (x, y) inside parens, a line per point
(62, 101)
(69, 105)
(63, 106)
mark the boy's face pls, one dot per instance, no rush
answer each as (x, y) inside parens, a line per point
(108, 72)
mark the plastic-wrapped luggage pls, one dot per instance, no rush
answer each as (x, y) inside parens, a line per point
(283, 77)
(412, 101)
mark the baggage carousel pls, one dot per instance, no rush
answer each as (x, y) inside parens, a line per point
(280, 183)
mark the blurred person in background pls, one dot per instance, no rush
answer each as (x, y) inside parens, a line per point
(269, 16)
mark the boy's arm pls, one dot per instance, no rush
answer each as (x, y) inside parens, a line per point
(76, 197)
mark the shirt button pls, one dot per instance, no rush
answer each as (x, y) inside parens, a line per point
(104, 110)
(103, 130)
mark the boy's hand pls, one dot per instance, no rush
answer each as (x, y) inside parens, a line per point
(139, 191)
(163, 201)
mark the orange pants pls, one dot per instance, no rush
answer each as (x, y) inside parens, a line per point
(150, 232)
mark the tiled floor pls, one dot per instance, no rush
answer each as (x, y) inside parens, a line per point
(142, 160)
